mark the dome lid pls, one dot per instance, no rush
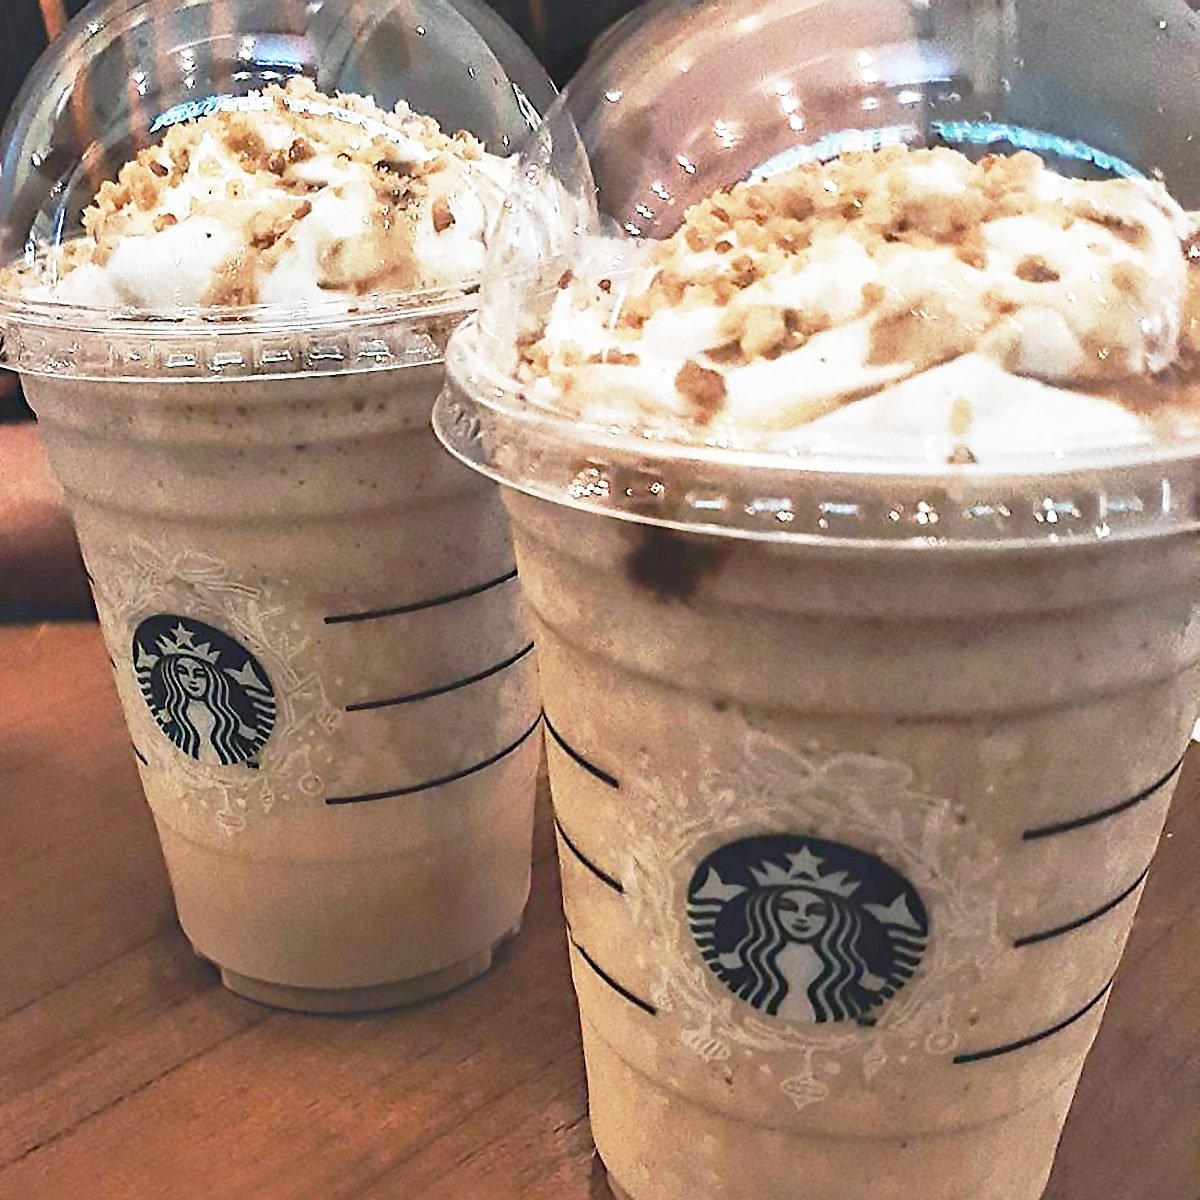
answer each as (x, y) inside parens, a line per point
(275, 181)
(790, 268)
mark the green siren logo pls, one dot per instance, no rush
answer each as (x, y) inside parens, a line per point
(208, 693)
(807, 931)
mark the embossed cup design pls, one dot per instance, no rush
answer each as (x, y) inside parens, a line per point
(851, 841)
(315, 629)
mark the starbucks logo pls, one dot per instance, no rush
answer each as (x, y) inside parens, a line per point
(805, 930)
(209, 694)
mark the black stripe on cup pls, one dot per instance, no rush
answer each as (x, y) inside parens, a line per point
(573, 754)
(601, 974)
(141, 757)
(381, 614)
(1047, 831)
(1033, 1039)
(1062, 930)
(599, 872)
(443, 781)
(445, 689)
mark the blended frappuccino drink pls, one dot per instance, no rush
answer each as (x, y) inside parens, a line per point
(311, 610)
(858, 522)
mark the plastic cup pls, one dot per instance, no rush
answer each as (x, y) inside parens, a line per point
(859, 767)
(311, 611)
(931, 781)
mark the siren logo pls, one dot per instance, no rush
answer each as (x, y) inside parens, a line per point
(209, 694)
(806, 930)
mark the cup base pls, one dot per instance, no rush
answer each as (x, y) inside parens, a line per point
(346, 1001)
(619, 1193)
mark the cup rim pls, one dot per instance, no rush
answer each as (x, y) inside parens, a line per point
(381, 332)
(1091, 497)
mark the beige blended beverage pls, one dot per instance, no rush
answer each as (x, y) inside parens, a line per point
(855, 505)
(311, 610)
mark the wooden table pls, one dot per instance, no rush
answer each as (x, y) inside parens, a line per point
(126, 1072)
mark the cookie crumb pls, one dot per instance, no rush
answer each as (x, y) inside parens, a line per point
(443, 215)
(1037, 270)
(704, 388)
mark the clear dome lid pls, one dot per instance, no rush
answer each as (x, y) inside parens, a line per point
(304, 151)
(868, 269)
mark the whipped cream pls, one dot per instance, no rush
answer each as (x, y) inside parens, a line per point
(288, 198)
(963, 311)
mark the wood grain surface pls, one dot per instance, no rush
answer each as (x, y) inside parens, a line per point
(126, 1072)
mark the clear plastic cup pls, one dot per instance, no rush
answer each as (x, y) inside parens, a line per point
(859, 762)
(311, 611)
